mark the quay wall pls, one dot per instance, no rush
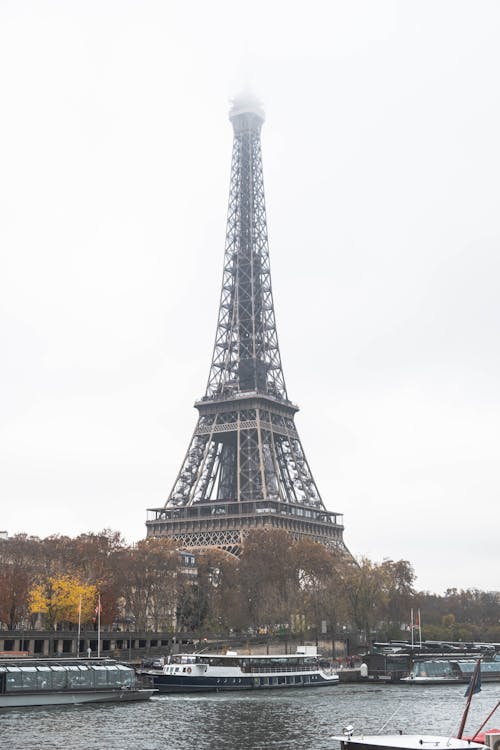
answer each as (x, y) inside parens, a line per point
(134, 646)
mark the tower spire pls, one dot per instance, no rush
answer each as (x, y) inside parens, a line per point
(245, 465)
(246, 354)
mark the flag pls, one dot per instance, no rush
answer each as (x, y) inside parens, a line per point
(97, 610)
(474, 686)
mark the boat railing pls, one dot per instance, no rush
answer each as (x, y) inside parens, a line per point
(280, 669)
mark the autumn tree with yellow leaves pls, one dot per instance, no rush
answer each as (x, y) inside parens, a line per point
(59, 599)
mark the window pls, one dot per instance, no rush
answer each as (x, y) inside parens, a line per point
(86, 678)
(73, 676)
(29, 677)
(100, 677)
(44, 678)
(58, 678)
(113, 676)
(14, 679)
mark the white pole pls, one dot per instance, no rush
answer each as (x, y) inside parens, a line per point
(420, 628)
(99, 626)
(412, 627)
(79, 628)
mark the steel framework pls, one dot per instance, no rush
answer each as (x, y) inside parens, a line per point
(245, 466)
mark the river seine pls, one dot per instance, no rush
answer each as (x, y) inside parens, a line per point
(295, 719)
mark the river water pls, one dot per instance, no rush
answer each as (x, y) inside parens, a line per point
(289, 719)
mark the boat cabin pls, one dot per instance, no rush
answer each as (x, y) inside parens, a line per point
(61, 677)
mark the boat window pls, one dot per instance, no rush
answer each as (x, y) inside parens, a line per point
(29, 677)
(44, 678)
(58, 678)
(215, 661)
(14, 679)
(126, 675)
(432, 669)
(468, 667)
(490, 666)
(86, 678)
(100, 676)
(74, 677)
(113, 676)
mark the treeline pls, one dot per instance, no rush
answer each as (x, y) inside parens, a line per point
(277, 585)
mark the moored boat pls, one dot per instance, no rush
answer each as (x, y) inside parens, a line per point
(449, 671)
(232, 671)
(350, 741)
(39, 682)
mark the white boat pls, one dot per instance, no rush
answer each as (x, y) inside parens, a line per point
(45, 683)
(232, 671)
(350, 741)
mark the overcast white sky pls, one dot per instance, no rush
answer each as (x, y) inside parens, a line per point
(382, 172)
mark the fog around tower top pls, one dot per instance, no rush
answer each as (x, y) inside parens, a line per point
(245, 103)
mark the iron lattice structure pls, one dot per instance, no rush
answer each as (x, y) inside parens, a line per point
(245, 466)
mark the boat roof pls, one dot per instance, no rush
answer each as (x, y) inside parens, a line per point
(62, 667)
(40, 664)
(236, 655)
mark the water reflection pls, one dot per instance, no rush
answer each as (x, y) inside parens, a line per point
(302, 719)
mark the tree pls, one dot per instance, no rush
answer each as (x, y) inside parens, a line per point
(18, 564)
(366, 594)
(398, 582)
(59, 599)
(227, 599)
(147, 578)
(14, 595)
(315, 571)
(268, 581)
(199, 598)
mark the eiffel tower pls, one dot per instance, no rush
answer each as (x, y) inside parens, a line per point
(245, 466)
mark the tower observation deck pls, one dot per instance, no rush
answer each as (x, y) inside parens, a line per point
(245, 466)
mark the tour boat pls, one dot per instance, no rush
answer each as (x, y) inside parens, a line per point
(39, 682)
(441, 671)
(232, 671)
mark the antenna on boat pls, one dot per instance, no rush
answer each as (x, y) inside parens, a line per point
(390, 717)
(485, 721)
